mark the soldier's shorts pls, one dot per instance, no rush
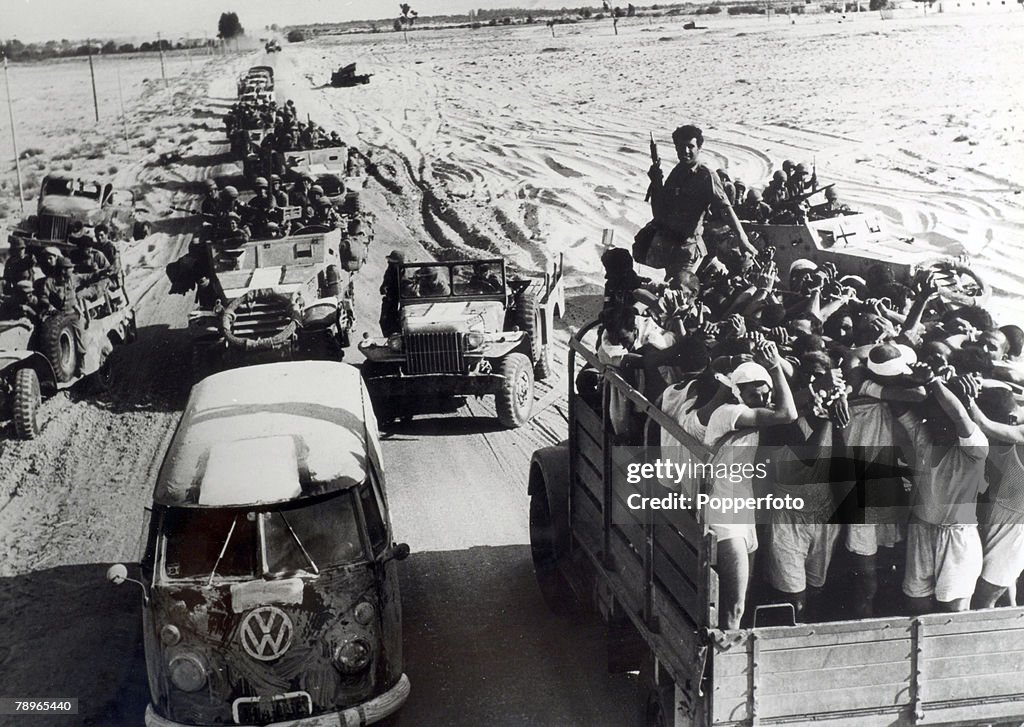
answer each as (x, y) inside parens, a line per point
(944, 560)
(800, 553)
(1004, 553)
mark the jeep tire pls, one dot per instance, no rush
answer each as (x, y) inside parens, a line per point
(57, 344)
(527, 318)
(514, 399)
(26, 404)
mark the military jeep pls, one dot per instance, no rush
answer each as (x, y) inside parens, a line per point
(65, 198)
(38, 355)
(282, 298)
(465, 329)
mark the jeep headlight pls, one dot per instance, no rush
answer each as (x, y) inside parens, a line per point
(187, 672)
(395, 342)
(352, 655)
(474, 340)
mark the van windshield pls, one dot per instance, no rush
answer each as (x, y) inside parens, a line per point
(308, 537)
(313, 536)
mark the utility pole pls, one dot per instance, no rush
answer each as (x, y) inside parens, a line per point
(188, 52)
(160, 47)
(124, 124)
(14, 139)
(92, 74)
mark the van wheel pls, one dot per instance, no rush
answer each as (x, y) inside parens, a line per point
(26, 404)
(514, 399)
(57, 343)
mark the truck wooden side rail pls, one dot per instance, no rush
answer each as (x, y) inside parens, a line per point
(652, 573)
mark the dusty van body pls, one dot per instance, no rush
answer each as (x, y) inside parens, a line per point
(272, 592)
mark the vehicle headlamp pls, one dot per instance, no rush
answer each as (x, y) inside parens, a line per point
(364, 613)
(474, 340)
(170, 635)
(187, 672)
(352, 655)
(395, 342)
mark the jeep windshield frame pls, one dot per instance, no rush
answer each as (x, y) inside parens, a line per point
(70, 187)
(482, 279)
(207, 545)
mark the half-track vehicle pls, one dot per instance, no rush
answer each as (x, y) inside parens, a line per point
(272, 46)
(347, 76)
(38, 356)
(283, 298)
(66, 198)
(651, 573)
(856, 242)
(465, 329)
(269, 579)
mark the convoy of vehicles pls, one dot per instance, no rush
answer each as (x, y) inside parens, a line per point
(269, 577)
(466, 329)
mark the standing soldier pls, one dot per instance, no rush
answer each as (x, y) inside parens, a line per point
(776, 192)
(260, 208)
(211, 202)
(19, 266)
(277, 191)
(299, 196)
(679, 204)
(391, 289)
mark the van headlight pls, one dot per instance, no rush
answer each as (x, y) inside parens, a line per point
(395, 342)
(187, 672)
(352, 655)
(474, 340)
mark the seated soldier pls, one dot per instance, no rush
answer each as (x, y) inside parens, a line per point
(86, 258)
(20, 302)
(232, 233)
(210, 205)
(320, 211)
(483, 280)
(776, 192)
(58, 293)
(831, 207)
(105, 245)
(258, 212)
(429, 283)
(753, 209)
(19, 265)
(299, 196)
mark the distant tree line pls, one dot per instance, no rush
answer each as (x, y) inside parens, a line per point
(15, 50)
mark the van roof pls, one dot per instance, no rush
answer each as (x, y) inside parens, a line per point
(266, 434)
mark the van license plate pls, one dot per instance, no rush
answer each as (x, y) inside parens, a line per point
(273, 709)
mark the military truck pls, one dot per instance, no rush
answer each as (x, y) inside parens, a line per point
(651, 574)
(284, 298)
(466, 328)
(39, 357)
(65, 198)
(856, 242)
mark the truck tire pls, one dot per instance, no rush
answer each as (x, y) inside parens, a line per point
(57, 343)
(514, 399)
(657, 705)
(26, 404)
(527, 318)
(141, 230)
(554, 589)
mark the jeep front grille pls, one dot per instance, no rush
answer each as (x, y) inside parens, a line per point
(260, 319)
(53, 227)
(434, 353)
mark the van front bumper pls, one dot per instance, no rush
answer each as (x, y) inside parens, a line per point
(366, 713)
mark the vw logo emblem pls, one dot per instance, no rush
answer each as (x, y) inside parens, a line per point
(266, 633)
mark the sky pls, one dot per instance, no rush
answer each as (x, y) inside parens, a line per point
(37, 20)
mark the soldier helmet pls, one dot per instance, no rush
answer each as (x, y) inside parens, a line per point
(211, 184)
(231, 192)
(233, 216)
(307, 177)
(25, 286)
(52, 251)
(427, 273)
(753, 196)
(831, 193)
(779, 176)
(396, 256)
(65, 264)
(275, 177)
(273, 226)
(261, 183)
(787, 165)
(800, 170)
(17, 243)
(316, 189)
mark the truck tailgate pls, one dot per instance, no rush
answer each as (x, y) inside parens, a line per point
(935, 669)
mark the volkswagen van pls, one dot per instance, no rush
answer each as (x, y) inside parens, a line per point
(269, 575)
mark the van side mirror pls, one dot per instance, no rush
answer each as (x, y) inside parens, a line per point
(397, 551)
(118, 574)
